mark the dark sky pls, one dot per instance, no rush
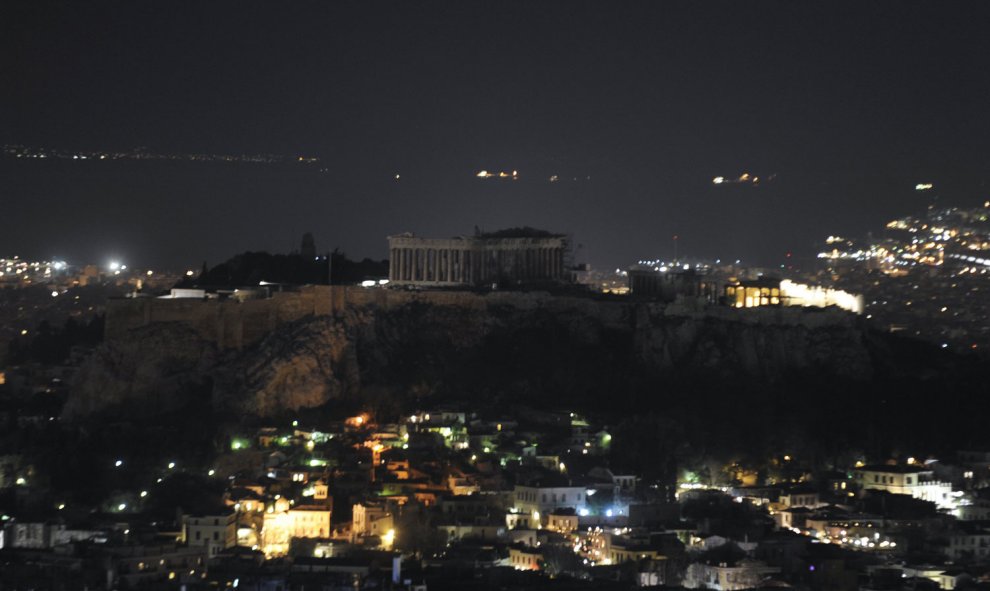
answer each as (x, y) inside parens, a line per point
(849, 104)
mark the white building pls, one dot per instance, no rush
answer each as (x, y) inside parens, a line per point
(744, 574)
(543, 500)
(214, 532)
(915, 481)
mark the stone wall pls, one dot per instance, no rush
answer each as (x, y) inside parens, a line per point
(233, 325)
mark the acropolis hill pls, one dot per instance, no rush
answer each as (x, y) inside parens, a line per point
(231, 323)
(303, 349)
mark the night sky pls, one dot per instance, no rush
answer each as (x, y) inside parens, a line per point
(849, 104)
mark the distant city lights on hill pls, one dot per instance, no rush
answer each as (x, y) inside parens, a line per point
(484, 174)
(743, 179)
(48, 153)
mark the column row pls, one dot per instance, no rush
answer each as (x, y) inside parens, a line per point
(442, 265)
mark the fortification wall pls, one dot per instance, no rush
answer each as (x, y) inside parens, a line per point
(236, 324)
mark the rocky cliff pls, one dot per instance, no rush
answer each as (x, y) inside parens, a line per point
(540, 348)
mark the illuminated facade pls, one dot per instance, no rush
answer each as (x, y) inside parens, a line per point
(525, 558)
(907, 480)
(522, 255)
(542, 500)
(282, 522)
(754, 293)
(371, 519)
(774, 292)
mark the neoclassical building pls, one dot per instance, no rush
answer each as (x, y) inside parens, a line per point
(514, 256)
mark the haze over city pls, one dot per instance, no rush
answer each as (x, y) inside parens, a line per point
(849, 105)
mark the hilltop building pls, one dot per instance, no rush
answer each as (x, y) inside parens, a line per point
(508, 257)
(667, 284)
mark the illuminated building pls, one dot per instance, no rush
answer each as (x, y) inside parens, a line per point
(753, 293)
(519, 255)
(371, 519)
(525, 558)
(729, 576)
(798, 294)
(915, 481)
(282, 522)
(562, 521)
(276, 530)
(543, 499)
(767, 291)
(310, 521)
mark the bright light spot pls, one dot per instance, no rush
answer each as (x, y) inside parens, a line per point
(61, 506)
(114, 266)
(144, 493)
(171, 465)
(211, 472)
(389, 538)
(54, 294)
(119, 463)
(718, 180)
(121, 506)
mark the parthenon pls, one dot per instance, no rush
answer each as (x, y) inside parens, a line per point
(516, 256)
